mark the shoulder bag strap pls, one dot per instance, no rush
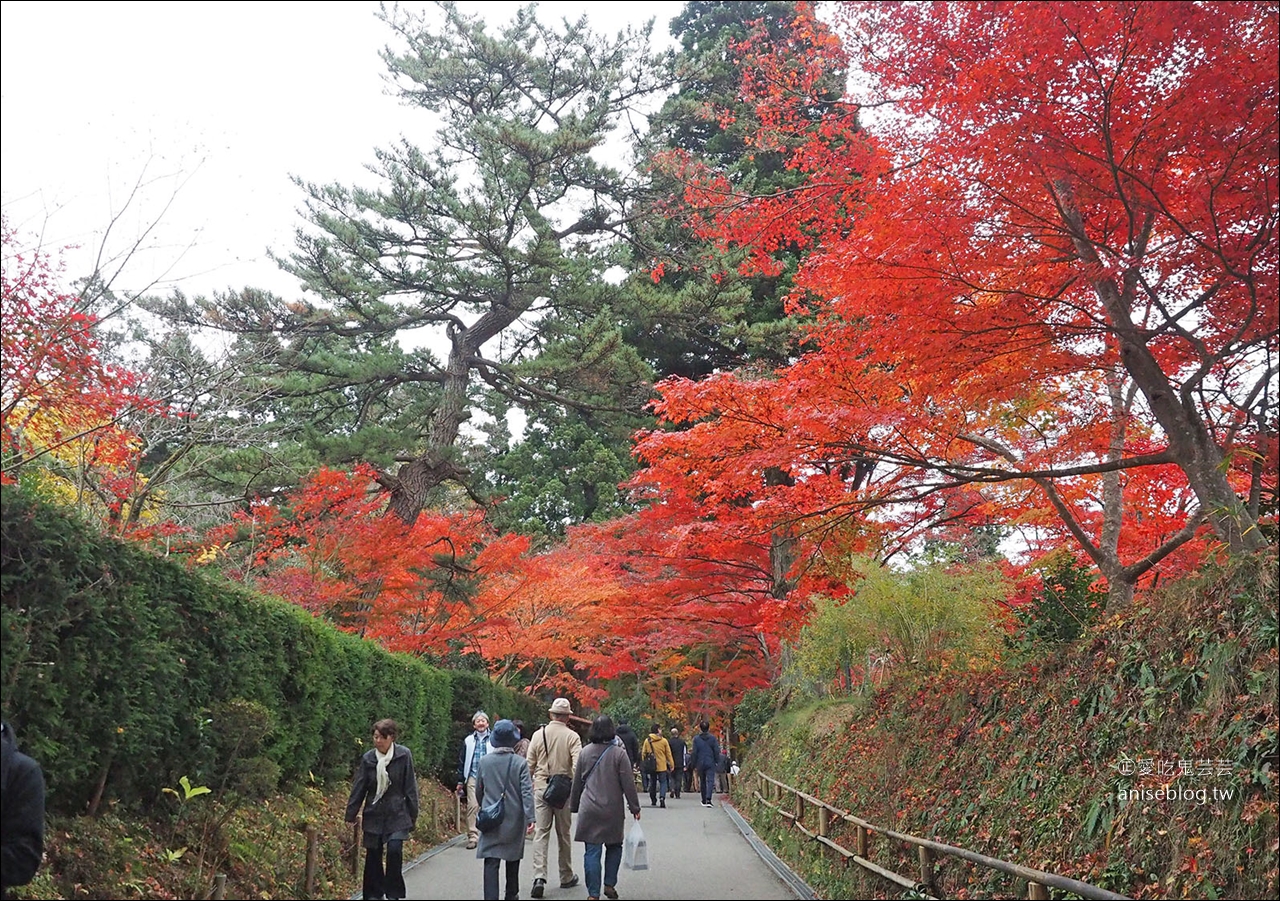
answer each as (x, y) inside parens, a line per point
(607, 749)
(506, 782)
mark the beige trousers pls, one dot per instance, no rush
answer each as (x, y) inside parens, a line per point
(547, 818)
(473, 808)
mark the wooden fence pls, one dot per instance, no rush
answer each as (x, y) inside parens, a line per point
(795, 805)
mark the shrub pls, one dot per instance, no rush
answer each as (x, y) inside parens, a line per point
(1065, 605)
(923, 618)
(113, 660)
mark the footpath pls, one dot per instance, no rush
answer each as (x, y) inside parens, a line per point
(694, 852)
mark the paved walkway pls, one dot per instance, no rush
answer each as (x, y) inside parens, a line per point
(694, 852)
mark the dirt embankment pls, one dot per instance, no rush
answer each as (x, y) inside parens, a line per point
(1141, 758)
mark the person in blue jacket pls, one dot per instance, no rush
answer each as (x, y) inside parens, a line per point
(706, 758)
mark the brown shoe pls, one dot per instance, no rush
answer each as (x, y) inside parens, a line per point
(611, 893)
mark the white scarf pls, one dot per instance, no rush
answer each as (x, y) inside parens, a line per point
(384, 780)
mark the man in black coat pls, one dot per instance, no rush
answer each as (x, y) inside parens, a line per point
(678, 754)
(630, 742)
(21, 813)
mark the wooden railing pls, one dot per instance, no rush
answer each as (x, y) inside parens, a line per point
(770, 792)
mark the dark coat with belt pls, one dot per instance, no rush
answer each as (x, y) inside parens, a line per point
(397, 810)
(22, 826)
(602, 798)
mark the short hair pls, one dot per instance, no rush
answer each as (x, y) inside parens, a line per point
(704, 725)
(656, 728)
(387, 728)
(519, 724)
(479, 713)
(602, 731)
(675, 729)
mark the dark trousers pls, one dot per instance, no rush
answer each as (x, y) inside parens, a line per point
(491, 878)
(654, 784)
(707, 779)
(377, 882)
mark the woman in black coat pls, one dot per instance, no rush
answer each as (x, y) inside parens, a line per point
(388, 788)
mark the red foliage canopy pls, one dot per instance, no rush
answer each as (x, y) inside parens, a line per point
(1051, 261)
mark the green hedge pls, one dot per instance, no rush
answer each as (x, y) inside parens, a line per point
(111, 659)
(474, 691)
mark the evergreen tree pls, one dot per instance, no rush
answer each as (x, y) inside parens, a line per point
(486, 247)
(694, 312)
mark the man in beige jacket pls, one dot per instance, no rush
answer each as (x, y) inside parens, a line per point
(552, 749)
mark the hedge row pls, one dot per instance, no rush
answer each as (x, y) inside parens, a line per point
(114, 664)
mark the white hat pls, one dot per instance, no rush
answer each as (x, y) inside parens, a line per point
(561, 705)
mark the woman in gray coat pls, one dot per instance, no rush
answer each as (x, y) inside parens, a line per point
(504, 774)
(603, 788)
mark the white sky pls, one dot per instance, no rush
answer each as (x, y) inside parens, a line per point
(218, 102)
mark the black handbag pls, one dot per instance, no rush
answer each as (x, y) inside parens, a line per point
(557, 792)
(559, 785)
(649, 761)
(490, 816)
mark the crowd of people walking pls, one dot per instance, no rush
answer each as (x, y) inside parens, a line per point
(520, 787)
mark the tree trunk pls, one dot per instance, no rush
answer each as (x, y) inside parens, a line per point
(1197, 454)
(415, 479)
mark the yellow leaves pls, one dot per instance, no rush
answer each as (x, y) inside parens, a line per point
(211, 553)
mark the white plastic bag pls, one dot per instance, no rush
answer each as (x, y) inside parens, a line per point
(635, 850)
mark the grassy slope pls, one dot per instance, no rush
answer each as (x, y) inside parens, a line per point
(1023, 760)
(261, 848)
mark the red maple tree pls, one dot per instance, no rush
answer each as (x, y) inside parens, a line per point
(63, 406)
(1052, 264)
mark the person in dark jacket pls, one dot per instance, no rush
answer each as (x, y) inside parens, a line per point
(630, 741)
(388, 788)
(604, 787)
(504, 774)
(681, 763)
(706, 758)
(522, 746)
(22, 817)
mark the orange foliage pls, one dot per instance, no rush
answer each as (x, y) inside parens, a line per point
(1070, 214)
(61, 402)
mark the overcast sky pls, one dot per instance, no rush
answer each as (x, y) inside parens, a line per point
(212, 106)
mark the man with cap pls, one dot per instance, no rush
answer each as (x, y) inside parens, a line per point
(552, 749)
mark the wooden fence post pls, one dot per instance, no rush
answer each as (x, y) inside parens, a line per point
(309, 878)
(824, 821)
(356, 836)
(860, 842)
(799, 808)
(1037, 892)
(926, 867)
(219, 887)
(435, 818)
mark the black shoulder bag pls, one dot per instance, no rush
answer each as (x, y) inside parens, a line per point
(490, 815)
(559, 785)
